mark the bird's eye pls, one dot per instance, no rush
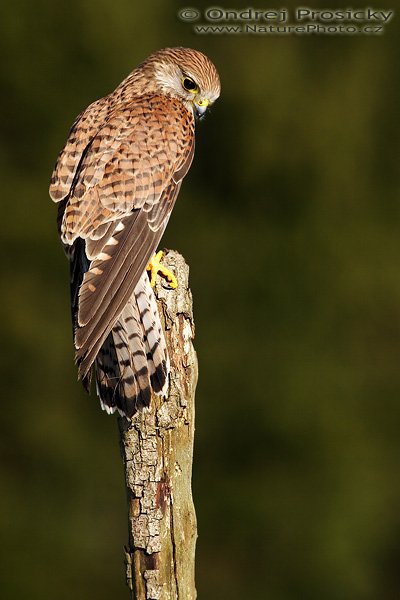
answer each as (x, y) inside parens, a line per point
(190, 85)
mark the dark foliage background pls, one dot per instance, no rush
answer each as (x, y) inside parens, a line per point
(290, 222)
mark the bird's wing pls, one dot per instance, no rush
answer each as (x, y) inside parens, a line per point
(84, 128)
(119, 202)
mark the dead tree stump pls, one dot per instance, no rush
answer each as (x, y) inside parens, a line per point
(157, 449)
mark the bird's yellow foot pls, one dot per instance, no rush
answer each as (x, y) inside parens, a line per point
(155, 267)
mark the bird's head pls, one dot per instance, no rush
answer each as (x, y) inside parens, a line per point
(186, 74)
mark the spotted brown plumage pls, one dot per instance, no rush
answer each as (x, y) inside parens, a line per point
(116, 182)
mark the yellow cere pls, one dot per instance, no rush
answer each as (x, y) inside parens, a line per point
(203, 102)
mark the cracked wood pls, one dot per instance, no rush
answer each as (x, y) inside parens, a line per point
(157, 448)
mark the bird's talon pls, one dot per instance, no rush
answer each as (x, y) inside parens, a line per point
(155, 267)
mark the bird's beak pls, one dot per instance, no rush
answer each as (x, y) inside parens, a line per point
(200, 106)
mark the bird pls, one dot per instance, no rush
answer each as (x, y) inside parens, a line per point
(115, 182)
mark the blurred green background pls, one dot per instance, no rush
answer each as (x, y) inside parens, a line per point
(289, 220)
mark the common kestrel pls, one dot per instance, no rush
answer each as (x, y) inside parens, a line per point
(116, 181)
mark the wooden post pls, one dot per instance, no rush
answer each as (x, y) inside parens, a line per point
(157, 449)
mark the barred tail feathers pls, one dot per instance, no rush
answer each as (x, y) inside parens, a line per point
(133, 360)
(156, 350)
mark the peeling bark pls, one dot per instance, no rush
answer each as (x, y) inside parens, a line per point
(157, 449)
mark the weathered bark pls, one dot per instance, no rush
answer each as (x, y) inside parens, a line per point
(157, 448)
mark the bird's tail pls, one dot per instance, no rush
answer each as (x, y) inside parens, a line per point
(133, 360)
